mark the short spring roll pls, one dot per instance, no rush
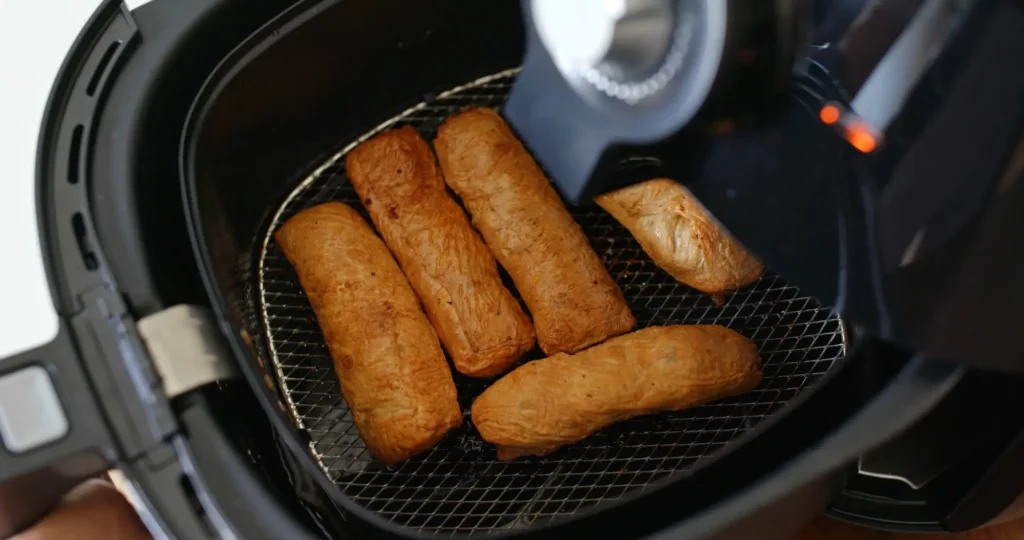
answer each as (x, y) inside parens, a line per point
(480, 323)
(559, 400)
(573, 300)
(393, 373)
(680, 237)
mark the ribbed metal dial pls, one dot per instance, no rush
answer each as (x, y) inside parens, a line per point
(627, 50)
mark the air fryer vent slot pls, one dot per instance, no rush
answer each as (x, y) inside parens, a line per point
(459, 486)
(85, 248)
(101, 68)
(75, 154)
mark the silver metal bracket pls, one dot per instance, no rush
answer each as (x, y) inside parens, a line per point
(187, 348)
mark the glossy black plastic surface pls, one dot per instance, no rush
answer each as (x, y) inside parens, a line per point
(920, 385)
(955, 469)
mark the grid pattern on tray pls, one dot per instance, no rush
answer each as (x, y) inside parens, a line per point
(459, 486)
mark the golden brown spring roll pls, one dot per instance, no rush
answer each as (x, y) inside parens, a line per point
(548, 403)
(393, 373)
(573, 300)
(455, 276)
(680, 237)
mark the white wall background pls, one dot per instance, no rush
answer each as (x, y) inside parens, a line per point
(35, 36)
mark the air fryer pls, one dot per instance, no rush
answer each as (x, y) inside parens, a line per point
(179, 136)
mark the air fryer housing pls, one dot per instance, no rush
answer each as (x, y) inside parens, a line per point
(156, 373)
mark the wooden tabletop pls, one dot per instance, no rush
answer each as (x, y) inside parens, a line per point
(827, 529)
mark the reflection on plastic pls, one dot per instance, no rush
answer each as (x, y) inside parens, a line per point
(856, 131)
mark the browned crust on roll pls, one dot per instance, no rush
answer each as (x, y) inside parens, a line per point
(680, 237)
(548, 403)
(480, 323)
(573, 300)
(393, 373)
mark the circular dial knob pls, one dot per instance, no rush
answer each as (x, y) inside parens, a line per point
(601, 74)
(627, 50)
(627, 39)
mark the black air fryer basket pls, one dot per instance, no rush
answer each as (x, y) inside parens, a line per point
(267, 137)
(188, 358)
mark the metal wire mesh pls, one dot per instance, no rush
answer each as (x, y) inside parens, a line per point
(459, 486)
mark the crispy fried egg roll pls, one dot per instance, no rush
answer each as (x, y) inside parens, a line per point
(573, 300)
(480, 323)
(680, 237)
(393, 373)
(559, 400)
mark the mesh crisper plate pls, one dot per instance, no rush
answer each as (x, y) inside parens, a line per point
(459, 486)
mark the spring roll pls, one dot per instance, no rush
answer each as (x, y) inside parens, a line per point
(559, 400)
(680, 237)
(393, 373)
(480, 323)
(573, 300)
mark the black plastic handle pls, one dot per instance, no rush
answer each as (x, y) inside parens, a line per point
(117, 414)
(33, 480)
(194, 485)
